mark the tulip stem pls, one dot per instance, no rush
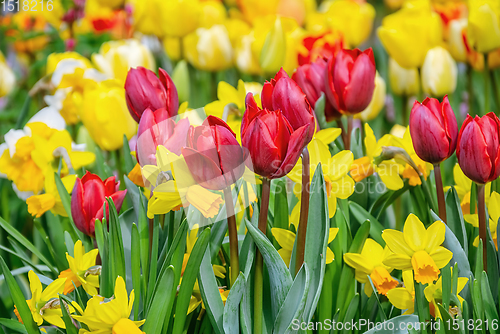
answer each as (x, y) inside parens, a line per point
(304, 211)
(347, 143)
(486, 85)
(233, 235)
(440, 192)
(259, 262)
(481, 212)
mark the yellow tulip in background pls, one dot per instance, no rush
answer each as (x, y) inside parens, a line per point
(439, 72)
(106, 115)
(180, 17)
(403, 81)
(484, 25)
(456, 44)
(409, 33)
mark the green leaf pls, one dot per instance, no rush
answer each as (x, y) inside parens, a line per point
(189, 278)
(116, 250)
(231, 317)
(70, 327)
(13, 324)
(136, 271)
(279, 275)
(386, 199)
(397, 323)
(19, 300)
(106, 280)
(127, 157)
(455, 217)
(488, 302)
(27, 244)
(362, 215)
(66, 201)
(162, 301)
(351, 311)
(210, 294)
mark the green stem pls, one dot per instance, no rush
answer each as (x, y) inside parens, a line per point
(495, 87)
(304, 211)
(486, 85)
(440, 192)
(233, 235)
(481, 212)
(404, 110)
(259, 262)
(428, 194)
(347, 143)
(470, 90)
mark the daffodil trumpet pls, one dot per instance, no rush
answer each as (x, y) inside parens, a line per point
(233, 235)
(440, 192)
(481, 213)
(304, 210)
(259, 261)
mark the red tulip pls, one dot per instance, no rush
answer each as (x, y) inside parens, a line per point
(143, 89)
(282, 93)
(273, 144)
(156, 128)
(350, 80)
(433, 129)
(213, 155)
(478, 149)
(311, 79)
(87, 201)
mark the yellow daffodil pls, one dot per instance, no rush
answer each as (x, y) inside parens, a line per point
(434, 295)
(126, 326)
(403, 298)
(104, 316)
(494, 213)
(409, 33)
(50, 200)
(105, 115)
(370, 263)
(463, 186)
(170, 194)
(44, 303)
(387, 170)
(418, 248)
(82, 270)
(7, 77)
(335, 169)
(70, 57)
(115, 58)
(286, 239)
(484, 25)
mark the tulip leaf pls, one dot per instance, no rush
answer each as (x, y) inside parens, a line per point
(188, 280)
(11, 230)
(127, 157)
(162, 301)
(19, 299)
(489, 304)
(231, 317)
(101, 236)
(279, 275)
(210, 294)
(351, 312)
(455, 220)
(70, 327)
(116, 251)
(136, 272)
(13, 325)
(362, 215)
(295, 302)
(66, 201)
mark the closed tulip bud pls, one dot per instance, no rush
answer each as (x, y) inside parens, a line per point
(311, 79)
(350, 80)
(282, 93)
(403, 81)
(273, 144)
(377, 102)
(213, 155)
(158, 128)
(483, 30)
(439, 72)
(88, 198)
(478, 148)
(143, 89)
(434, 130)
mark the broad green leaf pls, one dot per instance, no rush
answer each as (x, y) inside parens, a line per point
(351, 312)
(116, 251)
(136, 269)
(231, 317)
(455, 218)
(70, 327)
(490, 308)
(162, 301)
(66, 201)
(13, 324)
(127, 157)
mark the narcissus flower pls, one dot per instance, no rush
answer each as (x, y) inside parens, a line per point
(434, 130)
(82, 270)
(403, 298)
(44, 303)
(50, 200)
(434, 295)
(478, 148)
(370, 263)
(418, 248)
(105, 316)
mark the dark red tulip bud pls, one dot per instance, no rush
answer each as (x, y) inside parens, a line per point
(213, 155)
(350, 80)
(282, 93)
(311, 79)
(87, 201)
(143, 90)
(273, 144)
(157, 128)
(433, 129)
(478, 148)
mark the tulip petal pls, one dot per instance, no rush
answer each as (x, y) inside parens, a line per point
(296, 144)
(359, 91)
(204, 170)
(78, 212)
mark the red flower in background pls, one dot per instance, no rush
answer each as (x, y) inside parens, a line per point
(324, 45)
(88, 198)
